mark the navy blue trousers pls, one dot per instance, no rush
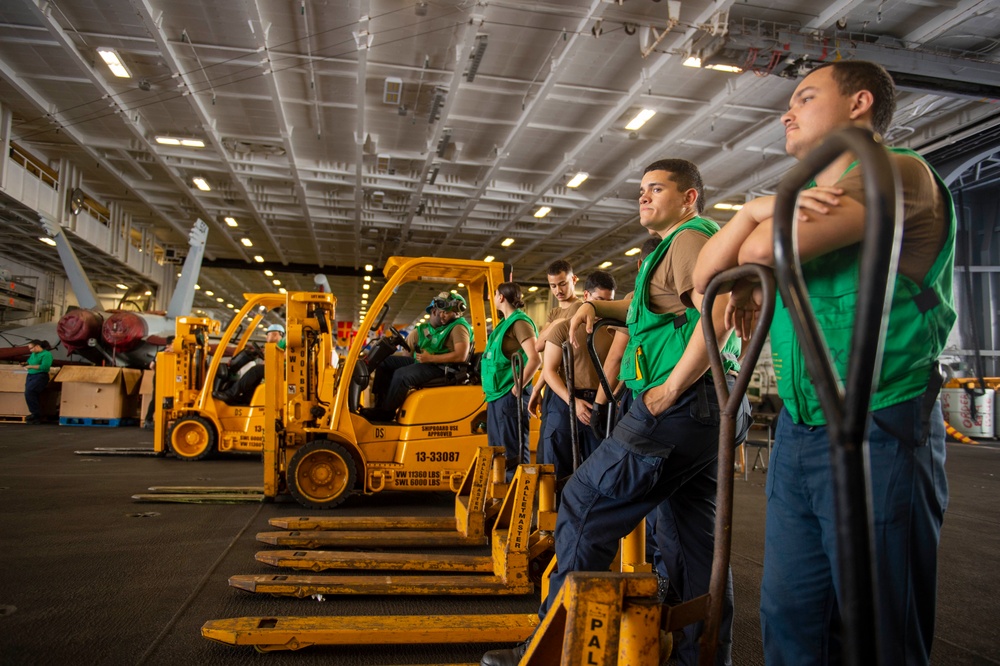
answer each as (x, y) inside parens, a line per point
(501, 430)
(667, 460)
(34, 384)
(395, 377)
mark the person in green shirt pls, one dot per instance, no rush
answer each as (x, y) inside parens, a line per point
(38, 365)
(515, 334)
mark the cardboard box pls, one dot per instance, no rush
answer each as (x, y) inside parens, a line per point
(12, 392)
(956, 404)
(145, 392)
(99, 393)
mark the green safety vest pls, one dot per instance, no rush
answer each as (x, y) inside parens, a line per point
(656, 341)
(432, 340)
(920, 319)
(495, 367)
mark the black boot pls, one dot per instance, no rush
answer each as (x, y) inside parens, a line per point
(509, 657)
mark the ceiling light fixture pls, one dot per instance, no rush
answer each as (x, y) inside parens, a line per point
(229, 305)
(121, 286)
(731, 69)
(366, 286)
(634, 251)
(606, 264)
(369, 268)
(368, 278)
(507, 242)
(692, 61)
(246, 242)
(532, 288)
(276, 282)
(640, 119)
(282, 290)
(219, 299)
(542, 212)
(578, 179)
(47, 240)
(488, 258)
(210, 293)
(268, 272)
(197, 286)
(178, 141)
(201, 184)
(727, 206)
(114, 63)
(147, 293)
(231, 221)
(259, 259)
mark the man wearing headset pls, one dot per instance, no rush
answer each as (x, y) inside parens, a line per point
(437, 347)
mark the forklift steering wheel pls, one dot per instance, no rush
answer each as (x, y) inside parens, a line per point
(397, 339)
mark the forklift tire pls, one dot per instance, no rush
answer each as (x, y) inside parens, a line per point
(192, 438)
(321, 474)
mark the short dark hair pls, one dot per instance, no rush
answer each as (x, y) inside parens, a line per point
(685, 174)
(856, 75)
(32, 343)
(560, 266)
(649, 247)
(600, 280)
(511, 292)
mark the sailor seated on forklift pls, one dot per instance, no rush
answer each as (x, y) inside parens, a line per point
(241, 391)
(440, 351)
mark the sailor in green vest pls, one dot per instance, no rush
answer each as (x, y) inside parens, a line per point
(438, 347)
(664, 452)
(906, 447)
(514, 335)
(38, 365)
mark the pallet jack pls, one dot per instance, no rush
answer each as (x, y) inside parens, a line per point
(599, 618)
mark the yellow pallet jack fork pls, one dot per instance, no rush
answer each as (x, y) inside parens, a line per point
(520, 539)
(477, 501)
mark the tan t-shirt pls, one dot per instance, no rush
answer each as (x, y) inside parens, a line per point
(557, 314)
(515, 336)
(925, 222)
(584, 374)
(672, 279)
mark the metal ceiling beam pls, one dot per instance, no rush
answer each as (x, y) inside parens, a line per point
(271, 77)
(965, 10)
(130, 120)
(363, 37)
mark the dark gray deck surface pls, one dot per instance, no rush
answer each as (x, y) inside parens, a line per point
(87, 576)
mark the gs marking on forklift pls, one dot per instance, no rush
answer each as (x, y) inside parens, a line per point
(439, 430)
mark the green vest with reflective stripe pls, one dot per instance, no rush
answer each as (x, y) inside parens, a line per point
(657, 341)
(495, 367)
(920, 319)
(432, 340)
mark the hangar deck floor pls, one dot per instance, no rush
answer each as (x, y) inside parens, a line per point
(87, 576)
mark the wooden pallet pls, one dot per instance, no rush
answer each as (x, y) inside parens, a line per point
(102, 423)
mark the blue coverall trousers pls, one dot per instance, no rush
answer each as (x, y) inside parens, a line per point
(501, 429)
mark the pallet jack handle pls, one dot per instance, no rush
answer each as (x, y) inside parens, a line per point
(570, 375)
(595, 358)
(846, 406)
(729, 404)
(517, 369)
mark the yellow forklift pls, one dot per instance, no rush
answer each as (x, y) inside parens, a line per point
(306, 414)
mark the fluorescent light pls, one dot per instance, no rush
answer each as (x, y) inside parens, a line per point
(246, 242)
(692, 61)
(268, 272)
(542, 212)
(282, 290)
(114, 63)
(168, 141)
(578, 179)
(369, 268)
(366, 286)
(605, 264)
(732, 69)
(210, 293)
(229, 305)
(634, 251)
(368, 278)
(488, 258)
(259, 259)
(177, 141)
(197, 286)
(276, 282)
(201, 184)
(147, 293)
(192, 143)
(121, 286)
(461, 285)
(489, 320)
(47, 240)
(231, 221)
(532, 288)
(640, 119)
(507, 242)
(220, 299)
(727, 206)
